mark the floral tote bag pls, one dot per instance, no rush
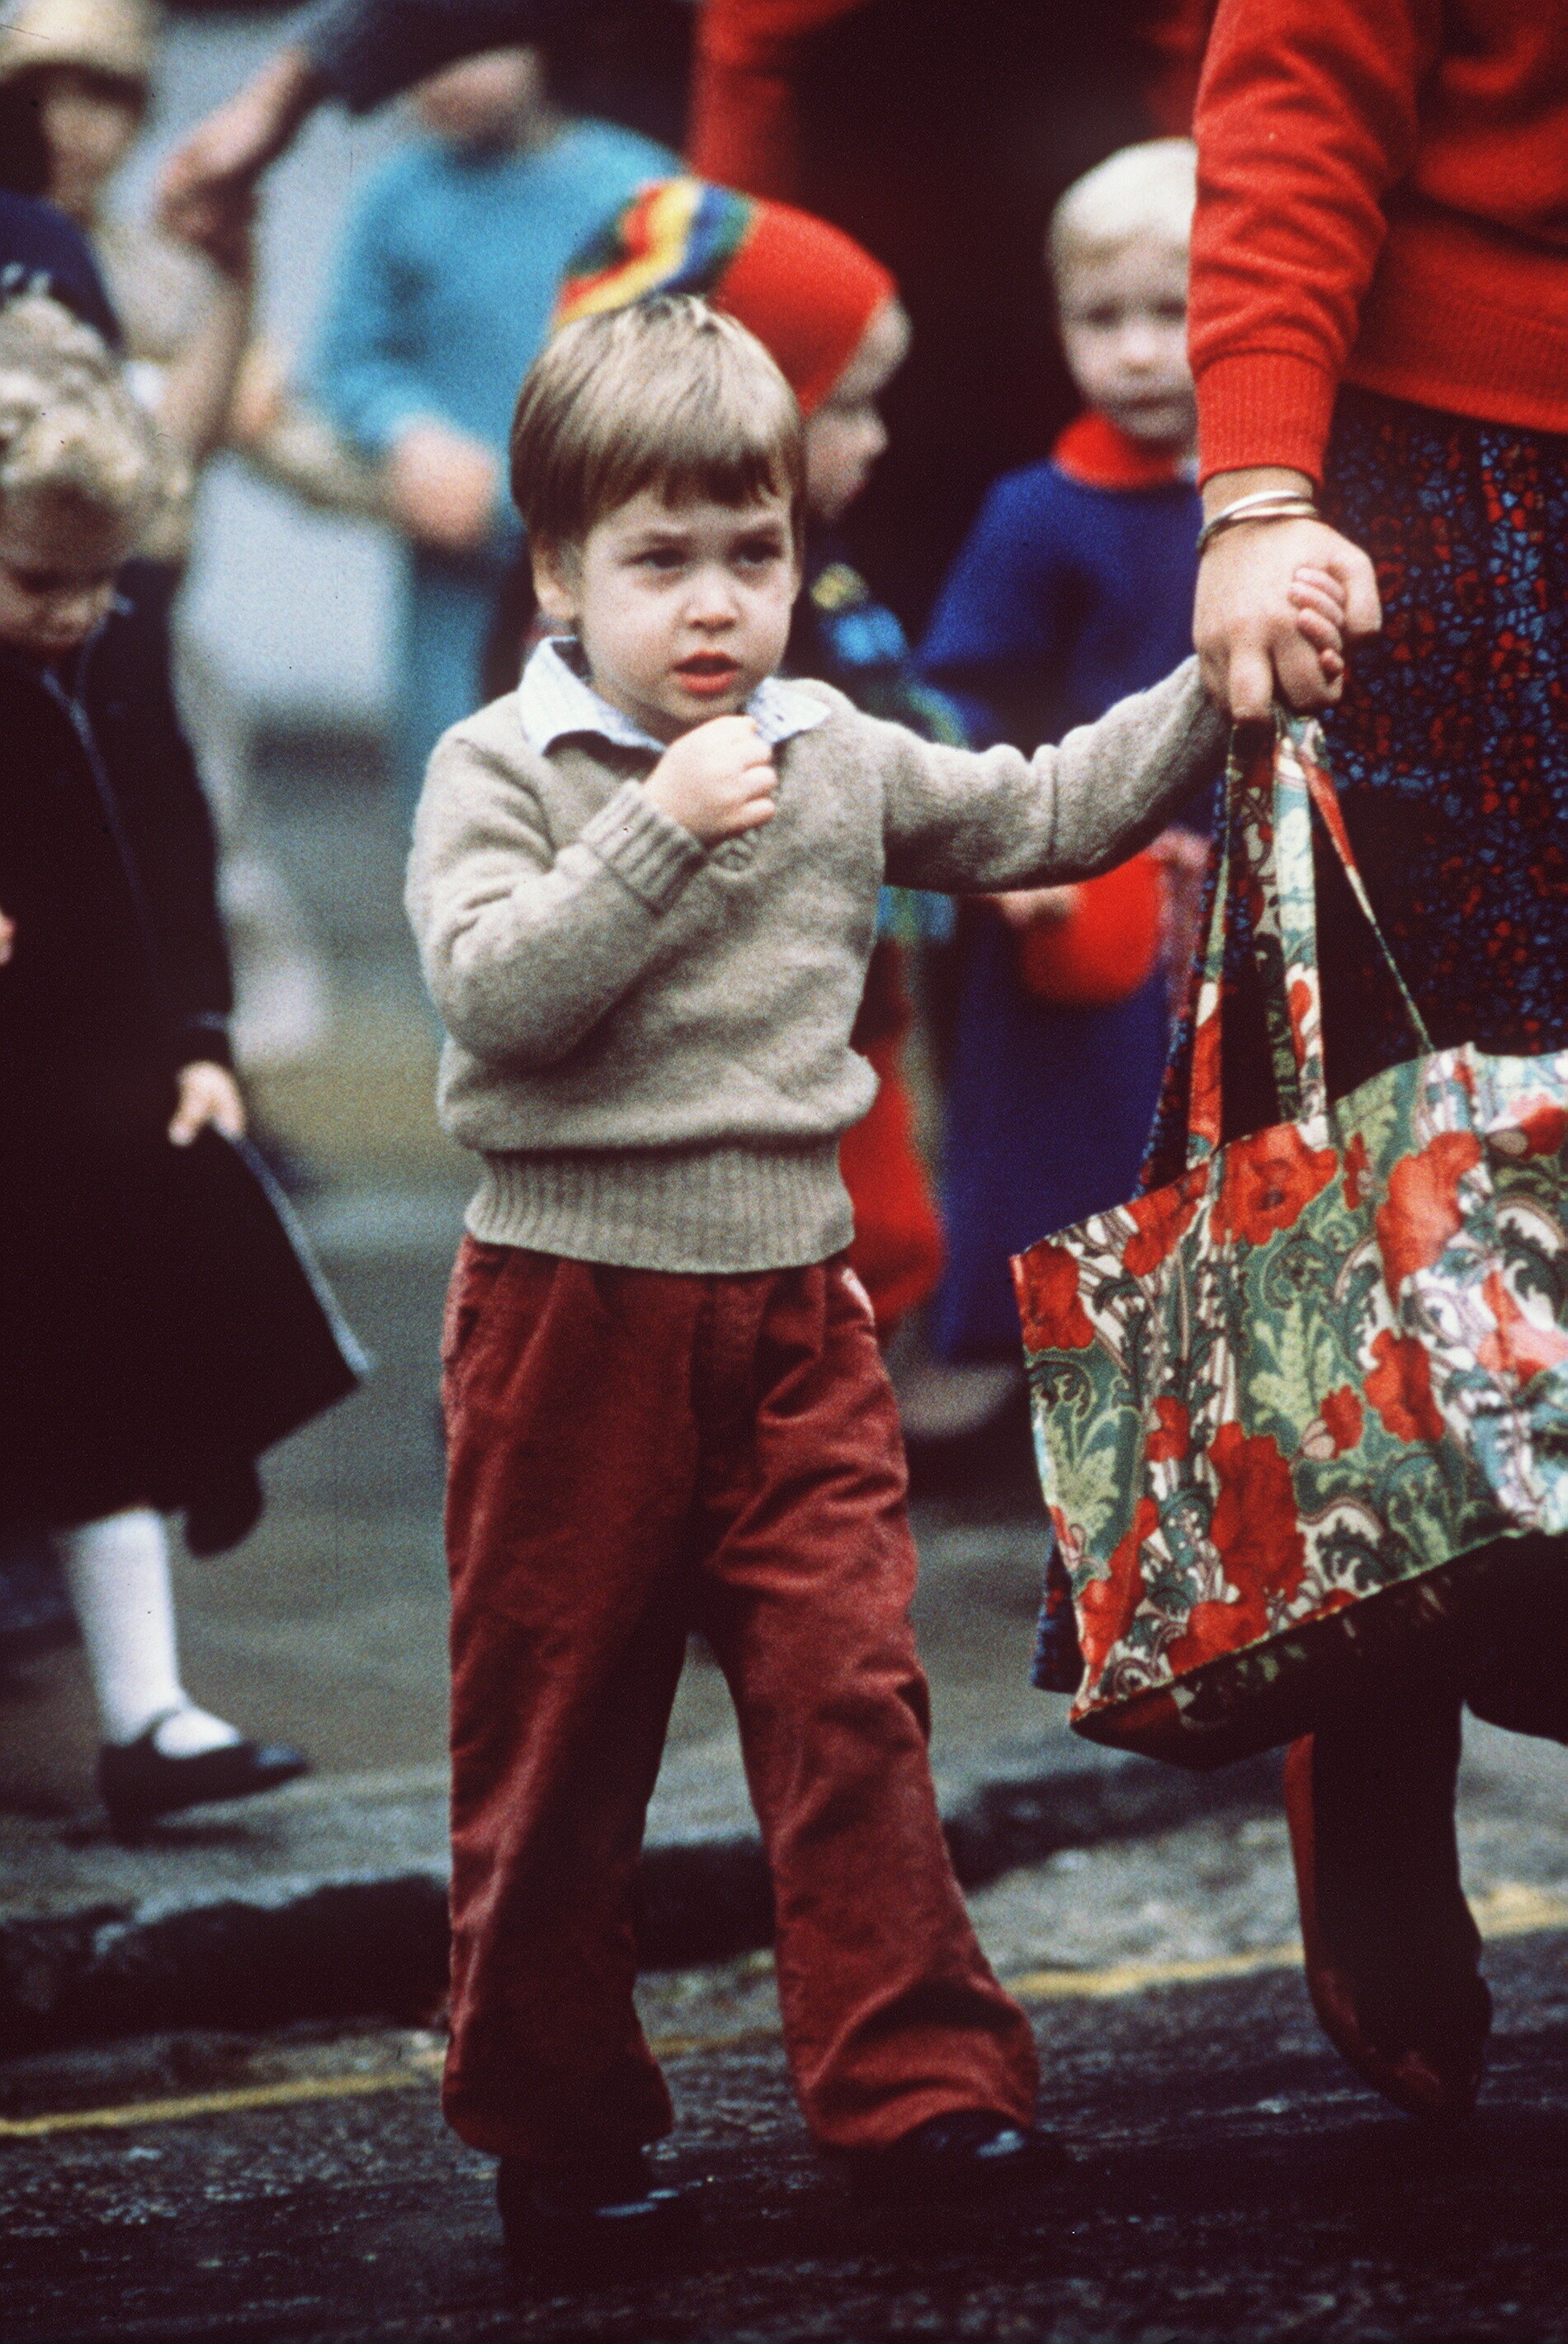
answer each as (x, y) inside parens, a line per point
(1285, 1404)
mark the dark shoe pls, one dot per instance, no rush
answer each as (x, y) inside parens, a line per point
(1435, 2076)
(137, 1782)
(588, 2211)
(971, 2154)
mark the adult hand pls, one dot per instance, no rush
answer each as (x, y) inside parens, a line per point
(228, 153)
(8, 938)
(223, 230)
(716, 781)
(442, 488)
(207, 1094)
(1247, 627)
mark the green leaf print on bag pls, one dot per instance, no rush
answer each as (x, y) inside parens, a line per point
(1283, 1405)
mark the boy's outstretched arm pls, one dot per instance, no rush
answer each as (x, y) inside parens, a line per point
(1107, 791)
(970, 822)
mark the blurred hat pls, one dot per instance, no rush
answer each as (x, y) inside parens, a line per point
(807, 290)
(115, 37)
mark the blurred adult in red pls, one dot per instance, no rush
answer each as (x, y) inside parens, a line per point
(1379, 323)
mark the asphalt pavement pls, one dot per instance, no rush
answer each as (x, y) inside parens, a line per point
(1230, 2177)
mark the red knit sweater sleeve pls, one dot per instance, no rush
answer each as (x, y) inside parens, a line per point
(1307, 118)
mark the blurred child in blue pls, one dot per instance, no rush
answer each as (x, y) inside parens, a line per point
(1074, 588)
(439, 302)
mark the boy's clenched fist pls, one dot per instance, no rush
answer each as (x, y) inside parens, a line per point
(716, 781)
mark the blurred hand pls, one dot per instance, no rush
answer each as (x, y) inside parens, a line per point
(8, 938)
(442, 488)
(716, 781)
(1037, 907)
(223, 230)
(207, 1094)
(227, 154)
(1254, 639)
(260, 392)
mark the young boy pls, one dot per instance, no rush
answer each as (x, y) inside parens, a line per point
(644, 888)
(1074, 588)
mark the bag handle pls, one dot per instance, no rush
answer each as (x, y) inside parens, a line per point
(1268, 804)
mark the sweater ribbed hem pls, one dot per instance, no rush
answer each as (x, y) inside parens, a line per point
(709, 1211)
(649, 851)
(1458, 317)
(1263, 406)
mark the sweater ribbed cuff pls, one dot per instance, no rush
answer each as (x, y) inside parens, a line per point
(1264, 406)
(710, 1211)
(650, 853)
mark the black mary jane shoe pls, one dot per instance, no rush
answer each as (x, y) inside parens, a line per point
(970, 2154)
(587, 2212)
(138, 1783)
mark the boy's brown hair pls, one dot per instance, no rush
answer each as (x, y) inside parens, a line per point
(667, 394)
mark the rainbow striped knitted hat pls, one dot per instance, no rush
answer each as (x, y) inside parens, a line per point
(805, 289)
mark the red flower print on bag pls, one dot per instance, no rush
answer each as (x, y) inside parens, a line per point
(1203, 1107)
(1174, 1437)
(1104, 1606)
(1336, 1428)
(1520, 1349)
(1358, 1165)
(1160, 1219)
(1054, 1318)
(1269, 1181)
(1399, 1388)
(1260, 1546)
(1420, 1212)
(1541, 1130)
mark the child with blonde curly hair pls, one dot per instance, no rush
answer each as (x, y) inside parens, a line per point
(114, 1076)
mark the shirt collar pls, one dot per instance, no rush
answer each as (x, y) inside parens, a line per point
(553, 701)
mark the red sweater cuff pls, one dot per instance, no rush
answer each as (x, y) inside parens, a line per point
(1263, 406)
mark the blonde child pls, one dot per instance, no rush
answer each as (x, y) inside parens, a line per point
(644, 888)
(1074, 588)
(113, 1060)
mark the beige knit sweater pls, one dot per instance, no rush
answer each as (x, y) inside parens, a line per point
(649, 1042)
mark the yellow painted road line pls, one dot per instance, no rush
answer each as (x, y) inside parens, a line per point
(417, 2070)
(1136, 1977)
(1511, 1910)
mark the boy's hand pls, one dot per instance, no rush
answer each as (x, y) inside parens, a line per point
(8, 938)
(442, 488)
(1318, 601)
(716, 782)
(207, 1094)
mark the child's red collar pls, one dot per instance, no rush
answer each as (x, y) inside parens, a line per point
(1095, 453)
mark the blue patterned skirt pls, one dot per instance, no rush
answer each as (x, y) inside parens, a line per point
(1451, 753)
(1449, 749)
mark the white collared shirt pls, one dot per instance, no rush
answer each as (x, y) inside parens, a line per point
(553, 701)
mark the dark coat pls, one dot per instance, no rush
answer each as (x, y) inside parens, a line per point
(157, 1328)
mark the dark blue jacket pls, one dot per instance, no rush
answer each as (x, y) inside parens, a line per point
(1063, 599)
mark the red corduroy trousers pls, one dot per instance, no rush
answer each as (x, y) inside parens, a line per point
(633, 1454)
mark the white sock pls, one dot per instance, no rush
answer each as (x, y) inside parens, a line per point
(116, 1572)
